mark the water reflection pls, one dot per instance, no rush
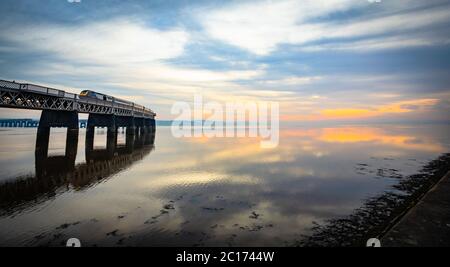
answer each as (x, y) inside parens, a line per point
(54, 166)
(56, 174)
(212, 192)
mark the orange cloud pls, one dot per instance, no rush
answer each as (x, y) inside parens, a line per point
(394, 108)
(400, 107)
(347, 113)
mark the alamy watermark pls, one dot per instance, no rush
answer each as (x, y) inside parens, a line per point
(230, 119)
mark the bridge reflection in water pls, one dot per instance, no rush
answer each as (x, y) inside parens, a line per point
(57, 174)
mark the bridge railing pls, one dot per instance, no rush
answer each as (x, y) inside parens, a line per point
(9, 85)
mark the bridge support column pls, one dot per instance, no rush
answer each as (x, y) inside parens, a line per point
(52, 118)
(130, 135)
(55, 165)
(93, 155)
(153, 125)
(140, 126)
(131, 126)
(129, 123)
(149, 138)
(100, 120)
(140, 132)
(149, 126)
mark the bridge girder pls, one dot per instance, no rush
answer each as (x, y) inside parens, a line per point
(27, 96)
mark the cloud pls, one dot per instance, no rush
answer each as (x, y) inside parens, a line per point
(364, 111)
(378, 44)
(391, 23)
(119, 53)
(156, 63)
(116, 41)
(292, 80)
(262, 26)
(393, 108)
(167, 73)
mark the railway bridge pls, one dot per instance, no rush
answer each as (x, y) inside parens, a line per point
(61, 109)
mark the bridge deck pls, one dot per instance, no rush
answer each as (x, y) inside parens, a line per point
(31, 96)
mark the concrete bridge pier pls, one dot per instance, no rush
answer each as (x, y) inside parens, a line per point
(50, 118)
(150, 129)
(149, 139)
(94, 155)
(56, 118)
(139, 140)
(129, 123)
(149, 125)
(100, 120)
(140, 126)
(53, 165)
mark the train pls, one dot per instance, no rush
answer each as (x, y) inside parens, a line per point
(94, 95)
(88, 94)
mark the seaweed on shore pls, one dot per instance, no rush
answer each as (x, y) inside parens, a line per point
(378, 213)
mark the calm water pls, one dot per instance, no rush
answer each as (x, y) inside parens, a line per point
(202, 192)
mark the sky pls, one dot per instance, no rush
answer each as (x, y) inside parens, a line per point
(322, 60)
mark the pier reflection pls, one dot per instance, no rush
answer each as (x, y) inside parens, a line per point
(57, 174)
(51, 166)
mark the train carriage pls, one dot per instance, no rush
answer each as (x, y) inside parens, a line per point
(99, 96)
(88, 94)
